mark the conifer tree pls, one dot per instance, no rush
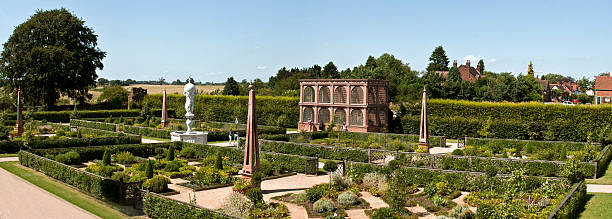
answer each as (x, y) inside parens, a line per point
(438, 60)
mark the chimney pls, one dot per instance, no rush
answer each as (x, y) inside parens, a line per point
(467, 63)
(455, 63)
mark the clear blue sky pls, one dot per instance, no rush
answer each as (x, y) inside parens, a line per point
(146, 40)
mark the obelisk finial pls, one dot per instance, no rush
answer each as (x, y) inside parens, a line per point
(423, 129)
(251, 147)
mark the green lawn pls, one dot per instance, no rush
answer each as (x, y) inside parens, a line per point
(605, 179)
(8, 155)
(598, 206)
(158, 139)
(292, 129)
(63, 191)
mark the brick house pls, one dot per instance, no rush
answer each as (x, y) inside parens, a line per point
(468, 73)
(603, 89)
(546, 92)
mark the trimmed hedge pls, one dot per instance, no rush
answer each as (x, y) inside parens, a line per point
(312, 150)
(92, 184)
(93, 125)
(289, 162)
(81, 142)
(434, 161)
(9, 147)
(574, 204)
(515, 143)
(96, 152)
(456, 118)
(272, 111)
(64, 116)
(146, 131)
(159, 207)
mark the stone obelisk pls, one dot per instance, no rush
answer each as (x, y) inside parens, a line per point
(164, 115)
(423, 129)
(251, 147)
(19, 122)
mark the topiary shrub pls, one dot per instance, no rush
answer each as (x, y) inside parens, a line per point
(323, 205)
(149, 169)
(255, 195)
(125, 157)
(121, 176)
(170, 155)
(157, 184)
(188, 152)
(173, 166)
(219, 162)
(106, 159)
(348, 198)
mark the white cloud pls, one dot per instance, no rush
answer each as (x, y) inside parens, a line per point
(472, 58)
(260, 67)
(492, 60)
(214, 73)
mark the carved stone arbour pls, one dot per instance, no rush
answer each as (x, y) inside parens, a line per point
(360, 105)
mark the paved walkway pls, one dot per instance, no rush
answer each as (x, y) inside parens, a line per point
(151, 141)
(599, 188)
(21, 199)
(213, 198)
(7, 159)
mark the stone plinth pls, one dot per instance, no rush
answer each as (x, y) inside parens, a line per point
(190, 137)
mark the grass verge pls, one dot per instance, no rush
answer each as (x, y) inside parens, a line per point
(65, 192)
(598, 206)
(157, 139)
(606, 179)
(8, 155)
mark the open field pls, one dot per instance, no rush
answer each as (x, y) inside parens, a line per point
(158, 89)
(597, 206)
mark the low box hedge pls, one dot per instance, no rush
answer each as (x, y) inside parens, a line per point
(146, 131)
(96, 186)
(93, 125)
(96, 152)
(64, 116)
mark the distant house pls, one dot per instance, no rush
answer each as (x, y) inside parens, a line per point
(546, 92)
(603, 89)
(468, 73)
(567, 89)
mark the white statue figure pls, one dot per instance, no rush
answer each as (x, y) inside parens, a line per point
(189, 91)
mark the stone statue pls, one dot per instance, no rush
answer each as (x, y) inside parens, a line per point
(189, 91)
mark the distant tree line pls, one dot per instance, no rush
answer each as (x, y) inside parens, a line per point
(160, 81)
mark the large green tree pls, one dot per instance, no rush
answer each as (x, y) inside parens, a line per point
(438, 60)
(482, 66)
(231, 87)
(52, 54)
(330, 71)
(115, 95)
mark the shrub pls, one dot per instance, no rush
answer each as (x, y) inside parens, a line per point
(106, 159)
(442, 189)
(255, 195)
(330, 166)
(458, 152)
(376, 181)
(188, 152)
(103, 170)
(219, 162)
(300, 197)
(71, 157)
(173, 166)
(343, 182)
(149, 169)
(439, 201)
(314, 194)
(236, 204)
(125, 157)
(170, 155)
(323, 205)
(461, 212)
(121, 176)
(348, 198)
(385, 213)
(157, 184)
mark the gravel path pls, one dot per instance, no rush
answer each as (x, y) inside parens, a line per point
(150, 141)
(213, 198)
(599, 188)
(7, 159)
(295, 211)
(21, 199)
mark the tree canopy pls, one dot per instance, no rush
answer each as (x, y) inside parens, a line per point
(438, 60)
(51, 54)
(530, 70)
(231, 87)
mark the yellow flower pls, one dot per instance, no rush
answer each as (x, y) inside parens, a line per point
(225, 158)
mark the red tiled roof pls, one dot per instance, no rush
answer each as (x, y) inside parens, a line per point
(603, 83)
(472, 75)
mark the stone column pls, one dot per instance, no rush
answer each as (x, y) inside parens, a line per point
(164, 115)
(251, 147)
(423, 129)
(19, 120)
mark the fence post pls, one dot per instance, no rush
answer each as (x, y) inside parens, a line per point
(369, 155)
(470, 162)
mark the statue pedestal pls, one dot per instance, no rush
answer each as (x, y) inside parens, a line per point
(424, 147)
(191, 137)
